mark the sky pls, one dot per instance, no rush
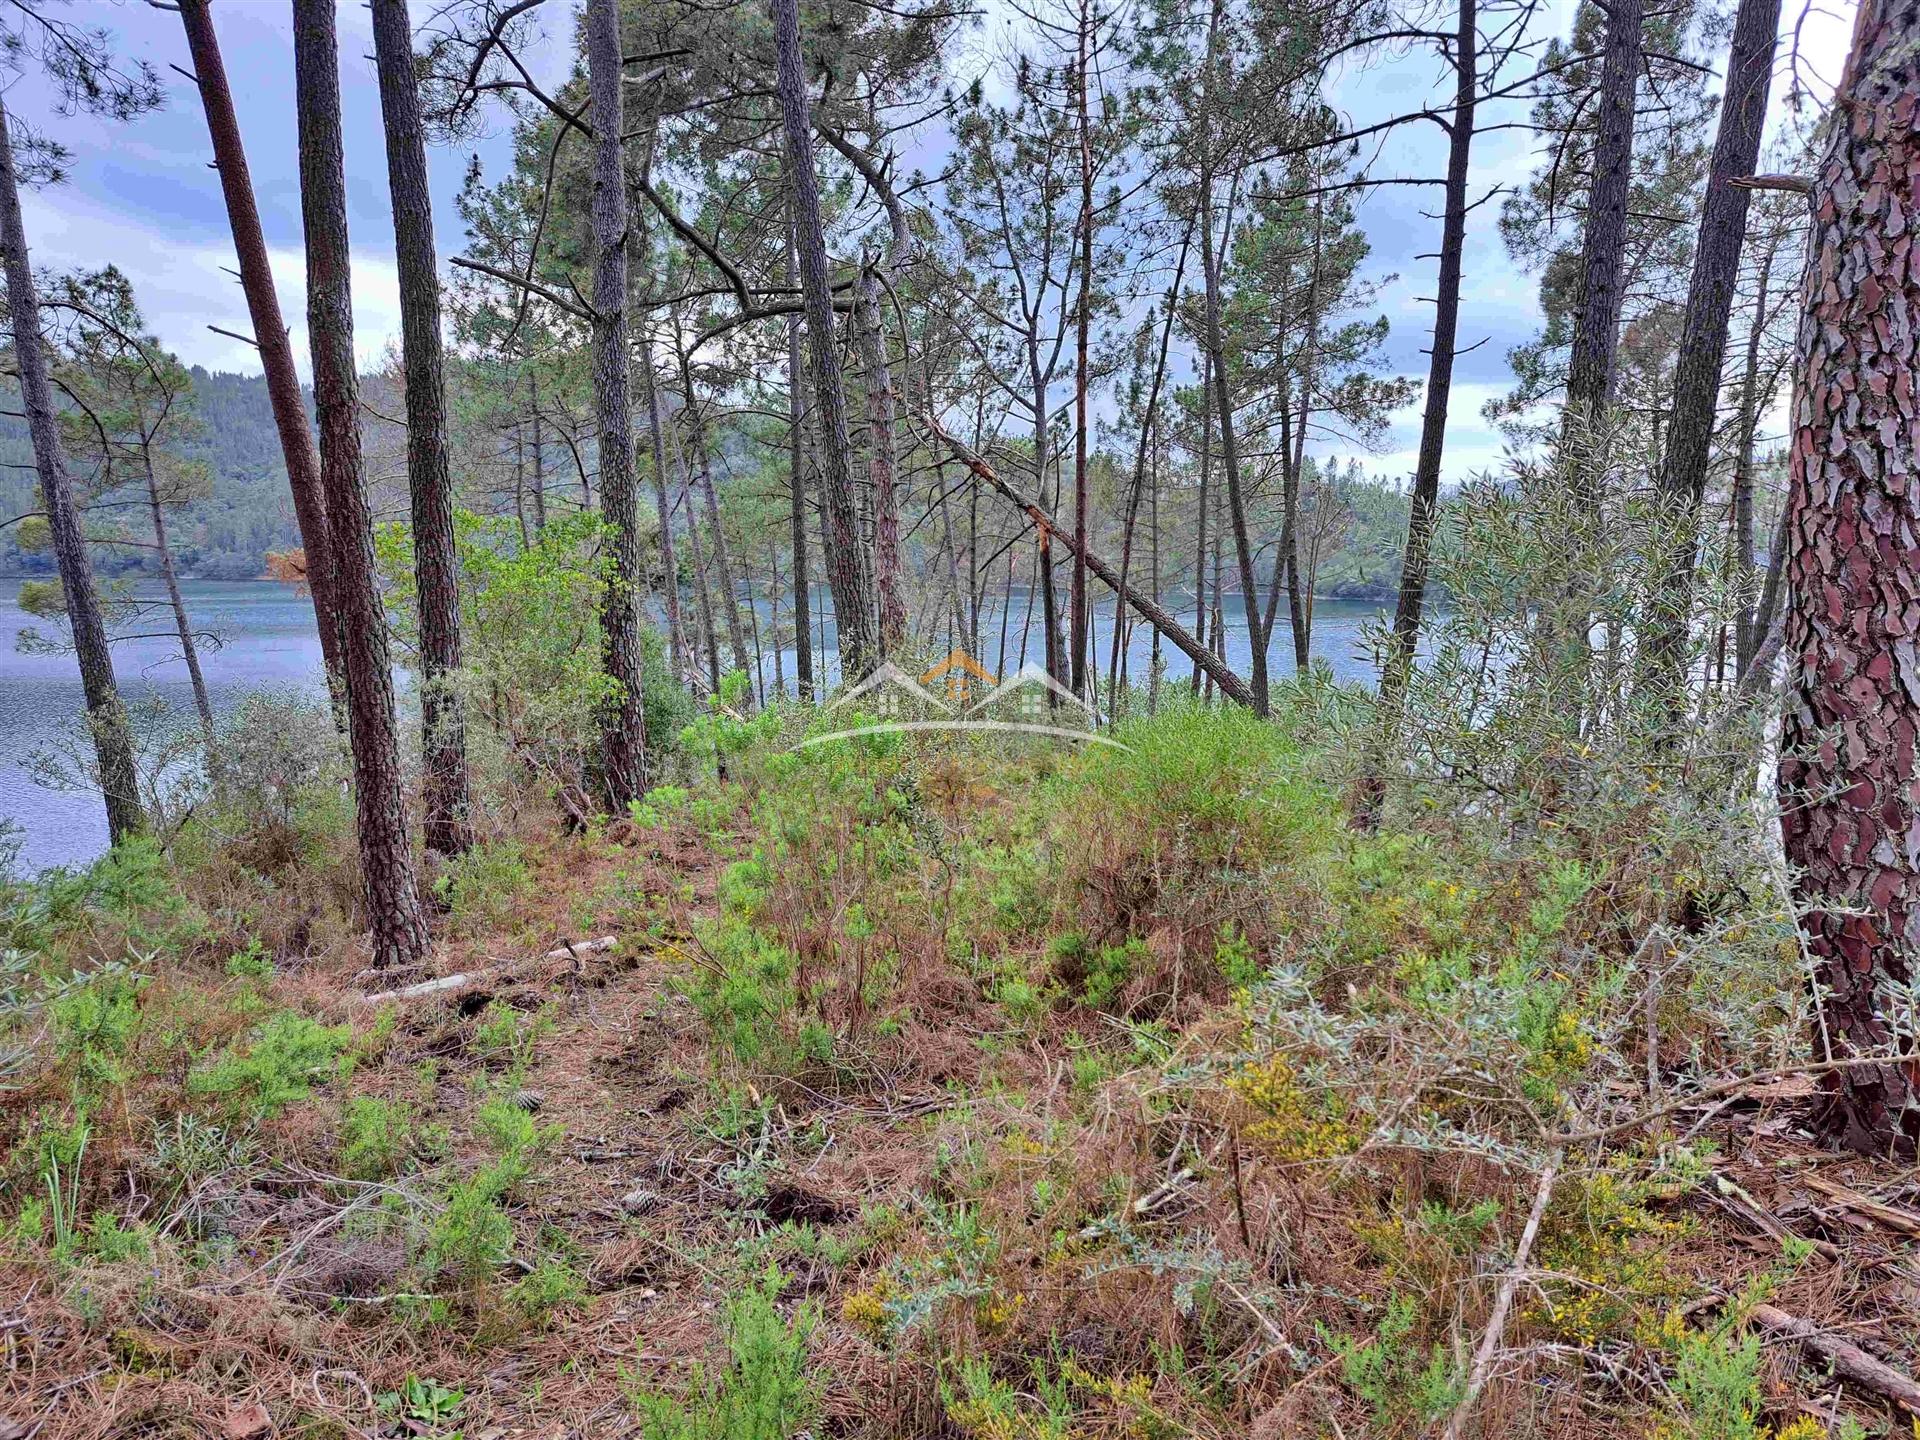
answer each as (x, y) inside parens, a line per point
(143, 196)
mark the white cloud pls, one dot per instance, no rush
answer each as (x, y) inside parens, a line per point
(186, 287)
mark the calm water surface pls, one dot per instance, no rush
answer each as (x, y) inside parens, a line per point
(268, 642)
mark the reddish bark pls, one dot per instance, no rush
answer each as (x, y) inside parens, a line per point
(1849, 785)
(386, 857)
(269, 330)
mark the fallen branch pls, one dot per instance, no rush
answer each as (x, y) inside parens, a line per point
(1894, 1218)
(1730, 1195)
(1848, 1360)
(465, 978)
(1503, 1304)
(1155, 614)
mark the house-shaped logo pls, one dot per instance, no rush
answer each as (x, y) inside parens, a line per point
(959, 695)
(1030, 696)
(889, 693)
(960, 678)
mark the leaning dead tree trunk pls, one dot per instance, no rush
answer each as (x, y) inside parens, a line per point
(386, 857)
(449, 821)
(106, 716)
(1156, 615)
(1703, 331)
(623, 742)
(269, 330)
(849, 575)
(1850, 739)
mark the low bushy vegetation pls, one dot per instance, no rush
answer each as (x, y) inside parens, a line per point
(967, 1088)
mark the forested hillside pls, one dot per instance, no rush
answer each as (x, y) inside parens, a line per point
(224, 535)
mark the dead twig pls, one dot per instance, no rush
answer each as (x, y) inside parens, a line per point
(1503, 1303)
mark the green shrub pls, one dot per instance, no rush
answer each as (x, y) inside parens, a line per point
(552, 1286)
(505, 1035)
(763, 1392)
(472, 1237)
(1395, 1376)
(481, 886)
(373, 1137)
(747, 991)
(287, 1056)
(94, 1023)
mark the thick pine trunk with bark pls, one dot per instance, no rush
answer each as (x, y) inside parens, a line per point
(269, 330)
(848, 575)
(106, 716)
(386, 856)
(623, 741)
(1849, 782)
(448, 820)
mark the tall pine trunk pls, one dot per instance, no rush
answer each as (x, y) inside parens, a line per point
(170, 577)
(797, 491)
(623, 740)
(386, 857)
(1746, 637)
(1204, 504)
(1849, 783)
(1703, 330)
(106, 716)
(448, 820)
(269, 330)
(669, 560)
(1603, 249)
(1082, 336)
(881, 461)
(1410, 605)
(848, 574)
(703, 468)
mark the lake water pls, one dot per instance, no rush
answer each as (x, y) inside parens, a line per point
(268, 642)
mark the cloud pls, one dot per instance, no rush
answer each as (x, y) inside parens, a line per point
(184, 287)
